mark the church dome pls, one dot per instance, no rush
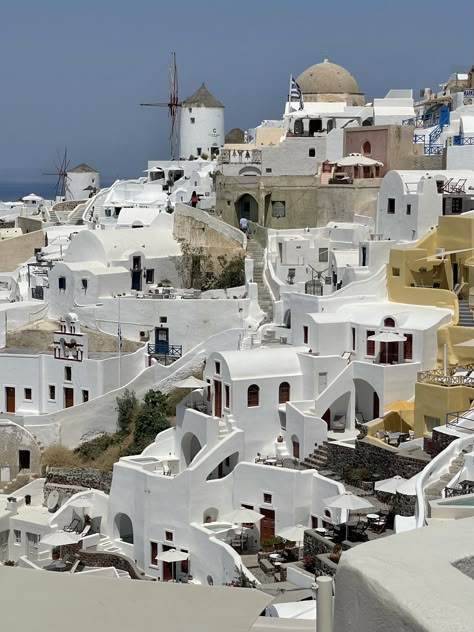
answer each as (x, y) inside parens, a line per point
(327, 78)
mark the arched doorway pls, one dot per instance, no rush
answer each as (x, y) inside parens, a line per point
(190, 446)
(247, 206)
(367, 403)
(123, 528)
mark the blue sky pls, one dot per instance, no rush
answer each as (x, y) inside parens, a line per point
(74, 72)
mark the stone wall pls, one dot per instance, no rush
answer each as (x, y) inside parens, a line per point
(307, 202)
(440, 441)
(76, 477)
(384, 461)
(104, 560)
(18, 249)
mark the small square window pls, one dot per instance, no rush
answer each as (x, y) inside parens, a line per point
(190, 110)
(323, 255)
(193, 120)
(267, 498)
(17, 534)
(67, 374)
(28, 394)
(268, 170)
(85, 395)
(150, 276)
(391, 206)
(408, 209)
(218, 368)
(163, 319)
(62, 283)
(169, 536)
(312, 152)
(396, 272)
(52, 392)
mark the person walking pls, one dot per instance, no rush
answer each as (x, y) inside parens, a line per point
(194, 199)
(244, 225)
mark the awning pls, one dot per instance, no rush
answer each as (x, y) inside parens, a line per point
(387, 336)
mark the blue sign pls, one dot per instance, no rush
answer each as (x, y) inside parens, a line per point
(469, 93)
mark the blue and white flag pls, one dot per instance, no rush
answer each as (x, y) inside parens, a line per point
(295, 93)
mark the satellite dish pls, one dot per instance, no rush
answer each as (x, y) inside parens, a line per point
(53, 500)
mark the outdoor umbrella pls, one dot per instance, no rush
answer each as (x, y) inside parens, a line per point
(387, 336)
(348, 501)
(358, 160)
(294, 534)
(172, 556)
(59, 538)
(243, 516)
(191, 383)
(81, 503)
(389, 485)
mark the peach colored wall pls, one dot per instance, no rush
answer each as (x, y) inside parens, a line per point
(378, 139)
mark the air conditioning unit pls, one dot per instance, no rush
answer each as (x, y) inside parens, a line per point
(144, 336)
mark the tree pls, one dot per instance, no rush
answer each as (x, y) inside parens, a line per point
(127, 407)
(150, 420)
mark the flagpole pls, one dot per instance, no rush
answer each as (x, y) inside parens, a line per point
(119, 347)
(289, 94)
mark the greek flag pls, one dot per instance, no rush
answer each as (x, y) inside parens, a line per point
(295, 93)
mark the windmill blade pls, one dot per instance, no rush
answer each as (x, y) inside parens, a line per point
(155, 105)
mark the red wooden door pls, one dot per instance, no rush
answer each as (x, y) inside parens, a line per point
(217, 398)
(68, 397)
(267, 523)
(10, 399)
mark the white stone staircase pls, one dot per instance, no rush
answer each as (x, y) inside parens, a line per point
(106, 545)
(435, 489)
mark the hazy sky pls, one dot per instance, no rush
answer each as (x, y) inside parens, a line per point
(73, 72)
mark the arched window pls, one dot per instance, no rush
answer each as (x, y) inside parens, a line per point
(253, 395)
(389, 322)
(284, 393)
(366, 148)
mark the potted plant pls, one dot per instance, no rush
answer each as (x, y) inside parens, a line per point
(335, 554)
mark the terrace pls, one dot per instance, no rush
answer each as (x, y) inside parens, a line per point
(451, 376)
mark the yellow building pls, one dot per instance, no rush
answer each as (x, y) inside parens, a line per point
(439, 271)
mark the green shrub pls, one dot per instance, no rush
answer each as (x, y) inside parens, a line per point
(127, 407)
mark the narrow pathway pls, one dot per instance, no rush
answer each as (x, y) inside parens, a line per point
(255, 252)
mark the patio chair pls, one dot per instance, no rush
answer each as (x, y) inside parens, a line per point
(73, 526)
(358, 533)
(379, 526)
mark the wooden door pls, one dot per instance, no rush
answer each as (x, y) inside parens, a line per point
(32, 545)
(10, 399)
(296, 449)
(267, 523)
(162, 335)
(68, 397)
(217, 398)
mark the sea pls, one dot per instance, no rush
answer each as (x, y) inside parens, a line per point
(11, 190)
